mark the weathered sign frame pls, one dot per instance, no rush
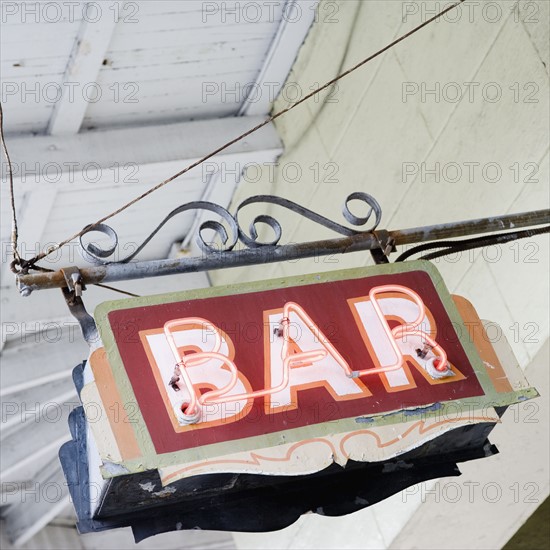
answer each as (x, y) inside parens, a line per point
(148, 455)
(136, 485)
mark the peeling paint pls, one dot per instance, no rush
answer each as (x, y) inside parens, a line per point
(115, 469)
(364, 419)
(165, 492)
(149, 486)
(395, 466)
(421, 410)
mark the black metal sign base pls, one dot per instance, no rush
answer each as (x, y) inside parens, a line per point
(256, 503)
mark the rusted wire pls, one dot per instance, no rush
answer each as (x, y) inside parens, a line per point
(273, 117)
(14, 231)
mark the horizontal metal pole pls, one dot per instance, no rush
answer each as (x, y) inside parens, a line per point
(471, 227)
(271, 254)
(220, 260)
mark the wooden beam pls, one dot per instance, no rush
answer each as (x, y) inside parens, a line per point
(280, 57)
(151, 146)
(81, 73)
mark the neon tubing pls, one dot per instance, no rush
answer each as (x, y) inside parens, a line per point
(288, 360)
(197, 358)
(218, 396)
(401, 331)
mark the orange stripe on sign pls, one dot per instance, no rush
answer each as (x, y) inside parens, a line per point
(114, 406)
(477, 335)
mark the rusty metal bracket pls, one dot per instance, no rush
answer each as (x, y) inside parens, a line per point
(386, 245)
(73, 278)
(73, 298)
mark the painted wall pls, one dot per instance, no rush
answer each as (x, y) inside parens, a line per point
(381, 132)
(451, 124)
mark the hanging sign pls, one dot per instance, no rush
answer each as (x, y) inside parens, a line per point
(285, 380)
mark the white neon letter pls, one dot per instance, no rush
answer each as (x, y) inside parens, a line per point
(210, 366)
(300, 356)
(391, 345)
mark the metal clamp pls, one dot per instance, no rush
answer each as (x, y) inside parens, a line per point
(386, 246)
(73, 297)
(73, 278)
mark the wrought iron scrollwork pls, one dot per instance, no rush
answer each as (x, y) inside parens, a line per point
(95, 254)
(231, 233)
(251, 240)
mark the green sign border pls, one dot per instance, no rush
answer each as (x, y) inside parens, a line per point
(151, 460)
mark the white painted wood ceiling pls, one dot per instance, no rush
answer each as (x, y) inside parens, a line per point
(160, 58)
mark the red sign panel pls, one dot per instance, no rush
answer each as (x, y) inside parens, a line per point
(281, 359)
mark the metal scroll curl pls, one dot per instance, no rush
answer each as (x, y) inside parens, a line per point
(98, 255)
(252, 239)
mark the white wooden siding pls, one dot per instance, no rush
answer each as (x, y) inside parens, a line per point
(153, 70)
(34, 56)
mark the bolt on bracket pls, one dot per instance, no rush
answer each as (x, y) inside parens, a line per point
(73, 297)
